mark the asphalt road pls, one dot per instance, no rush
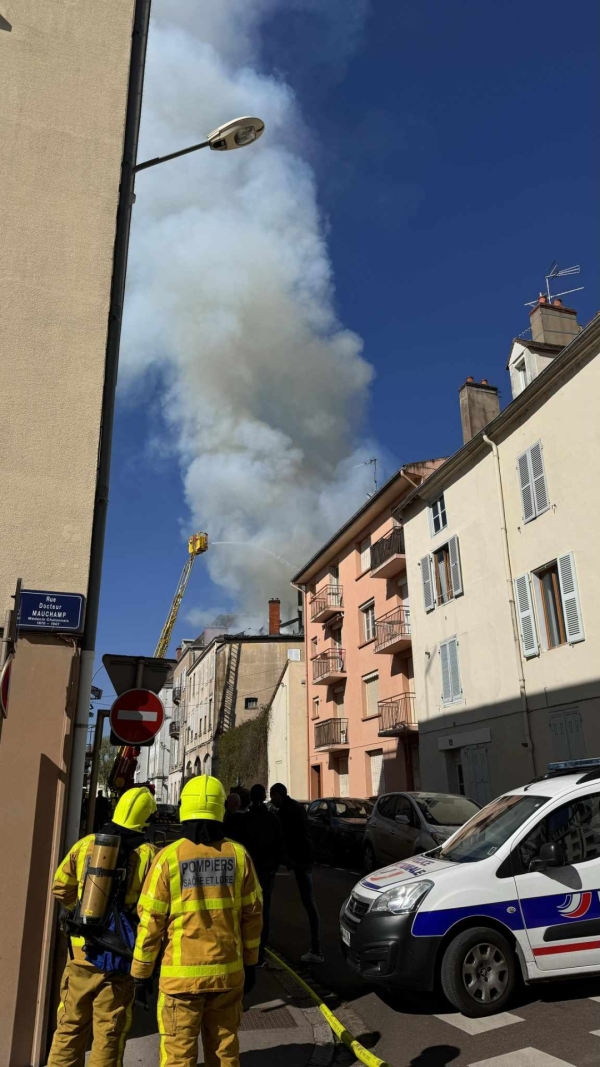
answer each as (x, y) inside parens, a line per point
(556, 1024)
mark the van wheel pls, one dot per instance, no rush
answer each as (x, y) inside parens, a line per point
(479, 972)
(369, 858)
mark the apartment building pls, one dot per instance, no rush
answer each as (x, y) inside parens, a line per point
(501, 544)
(362, 726)
(153, 762)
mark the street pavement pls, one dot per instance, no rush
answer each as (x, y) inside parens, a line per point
(554, 1024)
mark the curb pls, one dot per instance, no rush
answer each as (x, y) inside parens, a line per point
(323, 1039)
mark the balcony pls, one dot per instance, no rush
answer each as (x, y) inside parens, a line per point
(176, 694)
(332, 733)
(329, 667)
(388, 556)
(392, 632)
(174, 728)
(397, 715)
(327, 602)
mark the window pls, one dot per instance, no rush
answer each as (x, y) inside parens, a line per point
(370, 695)
(212, 667)
(365, 555)
(437, 516)
(250, 702)
(377, 771)
(338, 697)
(558, 608)
(521, 376)
(575, 826)
(483, 835)
(294, 654)
(532, 481)
(386, 807)
(368, 614)
(451, 688)
(566, 731)
(315, 708)
(314, 646)
(441, 575)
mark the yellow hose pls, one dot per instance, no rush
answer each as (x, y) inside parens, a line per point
(338, 1028)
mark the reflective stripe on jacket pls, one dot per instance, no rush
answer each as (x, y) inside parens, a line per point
(203, 904)
(69, 878)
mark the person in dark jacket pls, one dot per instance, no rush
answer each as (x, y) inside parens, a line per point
(298, 855)
(263, 839)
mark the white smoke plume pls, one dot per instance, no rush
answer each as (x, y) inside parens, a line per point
(230, 303)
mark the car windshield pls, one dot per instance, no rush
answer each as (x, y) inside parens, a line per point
(490, 828)
(352, 809)
(443, 809)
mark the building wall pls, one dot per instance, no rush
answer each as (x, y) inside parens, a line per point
(490, 715)
(288, 735)
(260, 667)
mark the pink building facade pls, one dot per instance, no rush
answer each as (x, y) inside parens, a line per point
(362, 726)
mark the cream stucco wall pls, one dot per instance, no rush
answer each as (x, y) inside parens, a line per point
(288, 737)
(63, 76)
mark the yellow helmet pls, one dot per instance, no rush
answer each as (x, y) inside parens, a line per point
(202, 798)
(134, 808)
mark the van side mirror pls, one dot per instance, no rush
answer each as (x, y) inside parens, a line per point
(550, 855)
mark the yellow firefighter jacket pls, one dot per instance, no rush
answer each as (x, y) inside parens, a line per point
(69, 878)
(203, 904)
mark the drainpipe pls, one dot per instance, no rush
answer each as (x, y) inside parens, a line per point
(511, 600)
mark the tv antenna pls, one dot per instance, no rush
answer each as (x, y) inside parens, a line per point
(555, 272)
(370, 463)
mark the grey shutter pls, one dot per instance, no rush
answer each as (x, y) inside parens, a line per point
(526, 618)
(445, 663)
(426, 578)
(526, 483)
(570, 598)
(454, 672)
(540, 490)
(455, 571)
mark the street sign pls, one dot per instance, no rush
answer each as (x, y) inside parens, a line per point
(136, 716)
(40, 610)
(137, 672)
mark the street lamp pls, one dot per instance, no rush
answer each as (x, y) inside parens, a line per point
(235, 134)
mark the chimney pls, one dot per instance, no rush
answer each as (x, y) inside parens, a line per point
(274, 616)
(178, 652)
(479, 404)
(553, 324)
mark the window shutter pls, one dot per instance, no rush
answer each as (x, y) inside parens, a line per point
(455, 571)
(446, 684)
(526, 617)
(525, 479)
(455, 686)
(428, 595)
(540, 490)
(570, 598)
(430, 517)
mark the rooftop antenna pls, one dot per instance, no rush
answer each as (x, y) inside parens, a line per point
(555, 272)
(370, 463)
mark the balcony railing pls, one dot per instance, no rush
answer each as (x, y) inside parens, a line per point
(326, 602)
(397, 714)
(174, 728)
(331, 733)
(388, 555)
(392, 631)
(329, 666)
(177, 690)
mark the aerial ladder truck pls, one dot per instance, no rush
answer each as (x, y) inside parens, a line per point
(123, 768)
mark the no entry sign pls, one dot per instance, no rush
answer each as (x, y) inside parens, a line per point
(136, 716)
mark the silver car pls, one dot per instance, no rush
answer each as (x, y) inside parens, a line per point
(404, 824)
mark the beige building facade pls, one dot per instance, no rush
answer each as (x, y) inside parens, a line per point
(287, 741)
(501, 547)
(63, 125)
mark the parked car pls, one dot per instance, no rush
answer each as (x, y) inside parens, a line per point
(167, 813)
(404, 824)
(337, 825)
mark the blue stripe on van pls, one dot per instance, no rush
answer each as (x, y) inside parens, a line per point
(437, 923)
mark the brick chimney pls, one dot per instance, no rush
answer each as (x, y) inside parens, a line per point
(274, 616)
(553, 324)
(178, 652)
(479, 404)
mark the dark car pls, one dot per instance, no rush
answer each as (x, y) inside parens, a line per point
(404, 824)
(167, 813)
(337, 825)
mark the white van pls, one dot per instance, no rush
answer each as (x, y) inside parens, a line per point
(516, 889)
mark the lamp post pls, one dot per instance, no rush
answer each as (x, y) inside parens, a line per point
(236, 134)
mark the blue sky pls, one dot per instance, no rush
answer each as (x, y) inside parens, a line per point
(453, 157)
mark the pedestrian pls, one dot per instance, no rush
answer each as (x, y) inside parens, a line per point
(298, 855)
(98, 997)
(101, 811)
(264, 841)
(201, 908)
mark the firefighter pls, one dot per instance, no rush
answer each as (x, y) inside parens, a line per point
(100, 997)
(202, 904)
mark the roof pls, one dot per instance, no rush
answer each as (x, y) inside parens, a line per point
(382, 498)
(586, 345)
(534, 346)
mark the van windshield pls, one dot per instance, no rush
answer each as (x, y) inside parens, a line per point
(483, 835)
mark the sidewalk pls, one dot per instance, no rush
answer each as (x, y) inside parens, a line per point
(277, 1019)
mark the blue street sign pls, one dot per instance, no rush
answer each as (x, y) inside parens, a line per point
(40, 610)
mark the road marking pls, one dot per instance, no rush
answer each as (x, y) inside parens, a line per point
(595, 1033)
(524, 1057)
(596, 999)
(480, 1026)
